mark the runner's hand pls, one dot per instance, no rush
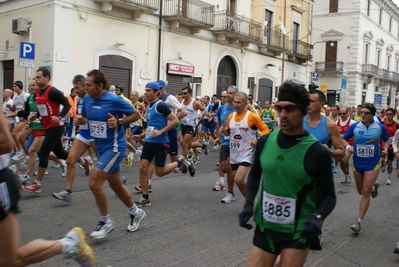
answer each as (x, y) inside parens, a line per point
(245, 215)
(311, 228)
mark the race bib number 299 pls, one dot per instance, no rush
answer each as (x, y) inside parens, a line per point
(278, 209)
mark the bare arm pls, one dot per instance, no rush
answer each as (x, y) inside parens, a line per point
(339, 148)
(6, 139)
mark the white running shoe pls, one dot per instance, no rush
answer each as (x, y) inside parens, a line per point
(102, 230)
(228, 198)
(81, 252)
(135, 221)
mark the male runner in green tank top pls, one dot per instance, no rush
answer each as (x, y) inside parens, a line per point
(288, 165)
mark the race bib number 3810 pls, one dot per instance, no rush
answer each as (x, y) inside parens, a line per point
(278, 209)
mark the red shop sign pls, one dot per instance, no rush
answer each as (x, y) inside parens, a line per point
(180, 69)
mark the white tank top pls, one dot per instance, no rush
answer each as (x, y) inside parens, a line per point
(192, 115)
(241, 136)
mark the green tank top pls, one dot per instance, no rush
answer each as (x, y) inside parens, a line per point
(287, 196)
(267, 116)
(36, 124)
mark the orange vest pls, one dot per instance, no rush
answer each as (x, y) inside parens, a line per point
(74, 106)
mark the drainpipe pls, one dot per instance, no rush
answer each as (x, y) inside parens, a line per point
(159, 39)
(284, 38)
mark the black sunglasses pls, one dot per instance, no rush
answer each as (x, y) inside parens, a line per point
(342, 113)
(288, 108)
(365, 112)
(185, 93)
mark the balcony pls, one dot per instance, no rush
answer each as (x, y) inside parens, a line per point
(384, 74)
(394, 76)
(236, 28)
(327, 67)
(301, 51)
(137, 6)
(369, 69)
(274, 41)
(193, 13)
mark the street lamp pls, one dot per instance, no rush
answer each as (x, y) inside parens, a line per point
(311, 48)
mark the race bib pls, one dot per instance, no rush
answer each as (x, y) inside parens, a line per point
(365, 151)
(98, 129)
(235, 146)
(278, 209)
(42, 109)
(148, 133)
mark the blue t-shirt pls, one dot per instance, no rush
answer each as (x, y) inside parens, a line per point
(366, 141)
(83, 129)
(223, 114)
(157, 118)
(96, 111)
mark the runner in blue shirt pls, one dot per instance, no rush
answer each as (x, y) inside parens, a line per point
(366, 157)
(104, 113)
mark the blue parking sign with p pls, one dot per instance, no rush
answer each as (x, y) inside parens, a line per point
(27, 51)
(315, 77)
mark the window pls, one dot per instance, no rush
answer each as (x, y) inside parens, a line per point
(368, 7)
(390, 24)
(333, 6)
(366, 54)
(378, 59)
(397, 65)
(231, 6)
(268, 27)
(295, 37)
(388, 63)
(380, 18)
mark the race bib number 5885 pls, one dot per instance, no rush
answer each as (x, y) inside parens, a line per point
(278, 209)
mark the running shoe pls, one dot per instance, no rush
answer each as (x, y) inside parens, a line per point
(15, 169)
(129, 161)
(55, 166)
(218, 187)
(82, 252)
(32, 188)
(388, 181)
(215, 147)
(374, 190)
(383, 167)
(196, 160)
(124, 180)
(356, 227)
(191, 167)
(19, 155)
(190, 153)
(25, 179)
(217, 164)
(176, 170)
(396, 250)
(137, 155)
(135, 221)
(25, 162)
(86, 164)
(64, 169)
(143, 202)
(206, 149)
(336, 169)
(228, 198)
(199, 150)
(138, 188)
(102, 230)
(36, 172)
(64, 195)
(182, 164)
(349, 180)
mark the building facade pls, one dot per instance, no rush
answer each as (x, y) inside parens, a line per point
(356, 51)
(209, 45)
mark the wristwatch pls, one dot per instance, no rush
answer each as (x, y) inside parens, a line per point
(319, 217)
(120, 121)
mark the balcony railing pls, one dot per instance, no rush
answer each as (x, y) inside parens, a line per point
(369, 69)
(384, 74)
(134, 5)
(329, 66)
(240, 26)
(191, 10)
(275, 39)
(301, 48)
(395, 76)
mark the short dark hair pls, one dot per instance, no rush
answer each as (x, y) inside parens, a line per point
(335, 106)
(390, 109)
(98, 77)
(45, 72)
(188, 88)
(79, 79)
(322, 96)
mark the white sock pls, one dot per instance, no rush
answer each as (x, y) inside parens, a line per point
(389, 176)
(68, 245)
(134, 210)
(149, 182)
(358, 220)
(106, 219)
(221, 180)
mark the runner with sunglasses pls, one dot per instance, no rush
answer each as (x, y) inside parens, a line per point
(366, 158)
(286, 215)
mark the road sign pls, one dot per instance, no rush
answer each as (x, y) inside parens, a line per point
(27, 55)
(315, 77)
(378, 99)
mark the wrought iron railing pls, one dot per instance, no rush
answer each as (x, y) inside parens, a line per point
(276, 39)
(151, 4)
(337, 66)
(226, 21)
(192, 10)
(301, 48)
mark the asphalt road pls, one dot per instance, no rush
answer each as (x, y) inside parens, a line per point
(187, 225)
